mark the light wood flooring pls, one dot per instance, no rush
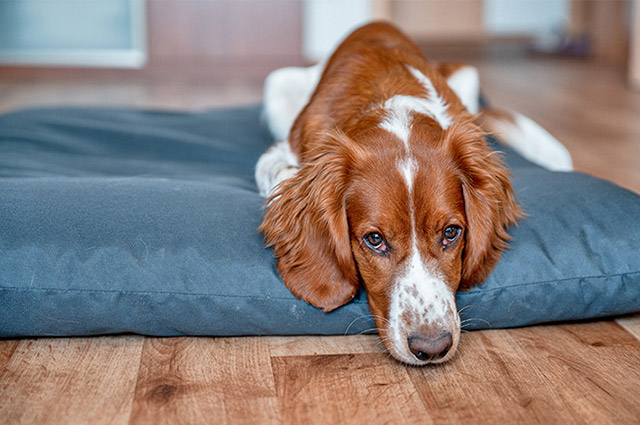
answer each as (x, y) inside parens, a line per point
(564, 373)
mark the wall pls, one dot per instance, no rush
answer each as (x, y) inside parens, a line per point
(72, 32)
(525, 17)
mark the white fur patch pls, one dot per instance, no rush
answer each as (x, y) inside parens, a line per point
(465, 83)
(275, 165)
(398, 120)
(421, 296)
(533, 142)
(286, 92)
(401, 108)
(435, 107)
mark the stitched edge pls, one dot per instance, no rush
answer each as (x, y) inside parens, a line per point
(117, 291)
(546, 282)
(472, 292)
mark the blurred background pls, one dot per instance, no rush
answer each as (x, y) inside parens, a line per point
(572, 65)
(248, 38)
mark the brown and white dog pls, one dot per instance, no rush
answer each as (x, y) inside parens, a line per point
(385, 179)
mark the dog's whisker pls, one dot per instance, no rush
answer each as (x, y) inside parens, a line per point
(363, 317)
(367, 331)
(468, 322)
(383, 319)
(464, 308)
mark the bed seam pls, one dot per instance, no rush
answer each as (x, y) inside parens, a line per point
(113, 291)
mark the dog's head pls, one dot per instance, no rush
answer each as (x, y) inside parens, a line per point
(412, 230)
(411, 203)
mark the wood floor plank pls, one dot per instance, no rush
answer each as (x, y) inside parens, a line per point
(346, 389)
(598, 126)
(7, 348)
(594, 367)
(577, 373)
(70, 380)
(631, 323)
(489, 381)
(318, 345)
(183, 95)
(204, 381)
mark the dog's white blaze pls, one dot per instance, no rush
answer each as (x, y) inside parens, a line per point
(408, 169)
(420, 293)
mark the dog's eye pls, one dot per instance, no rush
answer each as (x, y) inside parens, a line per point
(376, 242)
(450, 235)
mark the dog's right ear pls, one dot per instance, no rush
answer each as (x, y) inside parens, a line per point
(306, 224)
(489, 201)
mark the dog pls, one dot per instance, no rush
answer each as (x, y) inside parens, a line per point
(382, 177)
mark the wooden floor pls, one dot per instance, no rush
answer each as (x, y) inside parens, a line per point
(564, 373)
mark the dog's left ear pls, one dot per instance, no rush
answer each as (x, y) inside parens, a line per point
(489, 201)
(306, 224)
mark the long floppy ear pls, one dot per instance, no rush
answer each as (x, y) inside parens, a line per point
(306, 224)
(489, 202)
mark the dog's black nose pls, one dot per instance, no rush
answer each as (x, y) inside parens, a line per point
(427, 348)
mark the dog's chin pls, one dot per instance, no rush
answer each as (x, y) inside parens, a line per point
(401, 352)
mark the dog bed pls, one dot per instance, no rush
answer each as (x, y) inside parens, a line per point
(120, 220)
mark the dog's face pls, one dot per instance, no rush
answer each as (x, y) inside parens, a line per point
(411, 228)
(407, 228)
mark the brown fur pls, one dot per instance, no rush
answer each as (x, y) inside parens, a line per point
(349, 184)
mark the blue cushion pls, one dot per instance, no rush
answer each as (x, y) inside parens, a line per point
(135, 221)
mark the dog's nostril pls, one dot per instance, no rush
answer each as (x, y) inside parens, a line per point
(421, 355)
(426, 348)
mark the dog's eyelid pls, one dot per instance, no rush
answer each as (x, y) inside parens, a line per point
(448, 241)
(382, 247)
